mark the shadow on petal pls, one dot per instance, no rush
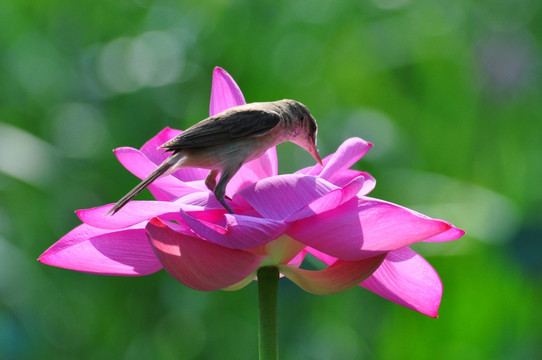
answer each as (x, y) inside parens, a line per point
(338, 277)
(231, 230)
(199, 264)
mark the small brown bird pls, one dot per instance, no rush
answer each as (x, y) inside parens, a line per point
(224, 142)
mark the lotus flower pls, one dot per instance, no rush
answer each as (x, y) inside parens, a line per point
(278, 220)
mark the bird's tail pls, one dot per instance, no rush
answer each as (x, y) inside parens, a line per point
(161, 170)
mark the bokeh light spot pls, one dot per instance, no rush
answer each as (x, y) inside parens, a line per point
(78, 130)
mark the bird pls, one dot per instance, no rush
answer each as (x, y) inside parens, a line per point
(224, 142)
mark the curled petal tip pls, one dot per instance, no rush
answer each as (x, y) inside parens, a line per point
(120, 149)
(156, 222)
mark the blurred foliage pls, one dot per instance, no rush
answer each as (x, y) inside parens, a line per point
(448, 91)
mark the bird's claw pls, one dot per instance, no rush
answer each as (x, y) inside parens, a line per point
(226, 206)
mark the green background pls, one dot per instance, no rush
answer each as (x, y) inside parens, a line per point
(449, 92)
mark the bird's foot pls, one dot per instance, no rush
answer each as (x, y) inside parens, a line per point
(226, 206)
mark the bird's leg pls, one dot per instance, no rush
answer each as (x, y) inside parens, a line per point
(220, 189)
(210, 180)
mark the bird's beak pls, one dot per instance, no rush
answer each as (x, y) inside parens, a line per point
(314, 152)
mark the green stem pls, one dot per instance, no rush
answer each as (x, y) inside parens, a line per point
(268, 279)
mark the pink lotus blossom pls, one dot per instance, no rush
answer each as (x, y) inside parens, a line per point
(322, 211)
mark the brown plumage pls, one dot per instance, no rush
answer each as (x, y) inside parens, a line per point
(224, 142)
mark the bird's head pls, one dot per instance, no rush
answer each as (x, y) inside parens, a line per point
(305, 129)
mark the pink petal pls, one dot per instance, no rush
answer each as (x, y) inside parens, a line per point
(139, 165)
(87, 249)
(135, 161)
(280, 196)
(315, 169)
(133, 213)
(337, 232)
(325, 258)
(157, 156)
(203, 199)
(368, 185)
(346, 155)
(141, 211)
(298, 259)
(407, 279)
(344, 177)
(390, 226)
(253, 171)
(362, 226)
(190, 174)
(339, 277)
(329, 201)
(199, 264)
(336, 166)
(150, 148)
(233, 231)
(225, 92)
(452, 234)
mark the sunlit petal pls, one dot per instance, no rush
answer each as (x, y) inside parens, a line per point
(138, 164)
(350, 151)
(125, 252)
(358, 227)
(150, 148)
(407, 279)
(225, 92)
(281, 196)
(133, 213)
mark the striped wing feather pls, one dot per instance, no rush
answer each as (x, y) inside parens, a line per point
(222, 129)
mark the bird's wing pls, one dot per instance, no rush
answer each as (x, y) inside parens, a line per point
(224, 128)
